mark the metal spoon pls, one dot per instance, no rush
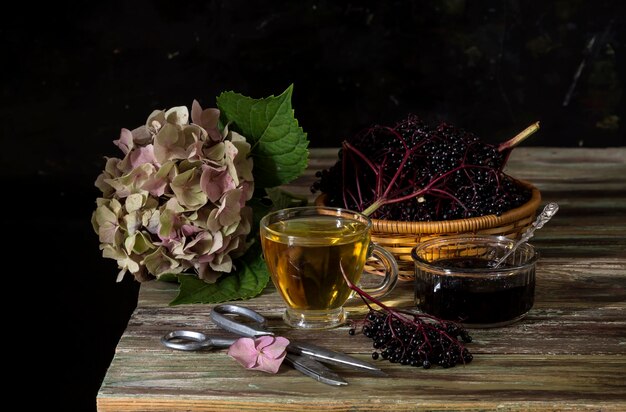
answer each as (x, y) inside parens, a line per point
(545, 215)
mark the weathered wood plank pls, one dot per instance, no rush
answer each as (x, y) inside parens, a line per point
(569, 353)
(490, 381)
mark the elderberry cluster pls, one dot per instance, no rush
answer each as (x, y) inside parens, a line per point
(416, 342)
(444, 172)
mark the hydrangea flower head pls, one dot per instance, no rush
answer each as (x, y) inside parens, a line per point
(176, 201)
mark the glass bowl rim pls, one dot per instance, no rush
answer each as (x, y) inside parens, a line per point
(422, 264)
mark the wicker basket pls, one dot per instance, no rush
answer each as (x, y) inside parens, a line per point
(401, 237)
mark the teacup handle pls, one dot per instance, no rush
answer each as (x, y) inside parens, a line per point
(391, 272)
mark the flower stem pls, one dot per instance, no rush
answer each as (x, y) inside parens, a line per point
(521, 136)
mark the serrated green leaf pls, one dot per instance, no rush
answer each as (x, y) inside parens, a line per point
(279, 145)
(246, 282)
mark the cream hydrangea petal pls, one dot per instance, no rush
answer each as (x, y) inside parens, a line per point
(159, 263)
(134, 202)
(112, 167)
(132, 181)
(212, 221)
(124, 261)
(150, 219)
(120, 274)
(248, 191)
(222, 263)
(177, 115)
(245, 224)
(206, 273)
(168, 223)
(111, 171)
(132, 222)
(186, 187)
(116, 207)
(142, 243)
(230, 154)
(155, 121)
(169, 143)
(142, 136)
(194, 134)
(108, 226)
(230, 229)
(216, 153)
(243, 163)
(228, 211)
(201, 244)
(129, 244)
(173, 205)
(218, 242)
(179, 251)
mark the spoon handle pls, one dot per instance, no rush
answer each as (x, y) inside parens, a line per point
(546, 214)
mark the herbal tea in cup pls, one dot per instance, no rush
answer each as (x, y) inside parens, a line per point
(309, 250)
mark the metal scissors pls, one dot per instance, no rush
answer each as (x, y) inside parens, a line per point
(304, 357)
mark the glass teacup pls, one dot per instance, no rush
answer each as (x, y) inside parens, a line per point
(310, 252)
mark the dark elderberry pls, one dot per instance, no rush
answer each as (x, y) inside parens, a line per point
(416, 172)
(413, 339)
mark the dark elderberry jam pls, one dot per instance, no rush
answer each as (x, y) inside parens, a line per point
(492, 297)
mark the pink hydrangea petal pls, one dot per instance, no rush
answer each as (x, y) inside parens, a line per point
(125, 142)
(196, 112)
(263, 342)
(278, 349)
(143, 155)
(244, 352)
(269, 365)
(215, 181)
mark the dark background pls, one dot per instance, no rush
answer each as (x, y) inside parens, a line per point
(74, 74)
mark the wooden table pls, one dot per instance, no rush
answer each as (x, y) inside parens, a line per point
(567, 354)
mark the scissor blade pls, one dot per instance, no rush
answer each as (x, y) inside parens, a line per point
(314, 369)
(329, 356)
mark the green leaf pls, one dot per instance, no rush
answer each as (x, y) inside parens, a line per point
(168, 277)
(279, 145)
(246, 282)
(260, 207)
(282, 199)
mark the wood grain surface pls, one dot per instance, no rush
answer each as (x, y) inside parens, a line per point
(567, 354)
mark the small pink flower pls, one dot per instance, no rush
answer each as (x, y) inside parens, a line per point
(265, 353)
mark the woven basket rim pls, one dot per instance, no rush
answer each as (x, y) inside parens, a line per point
(458, 225)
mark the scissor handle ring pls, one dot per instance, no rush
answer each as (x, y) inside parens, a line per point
(218, 312)
(190, 340)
